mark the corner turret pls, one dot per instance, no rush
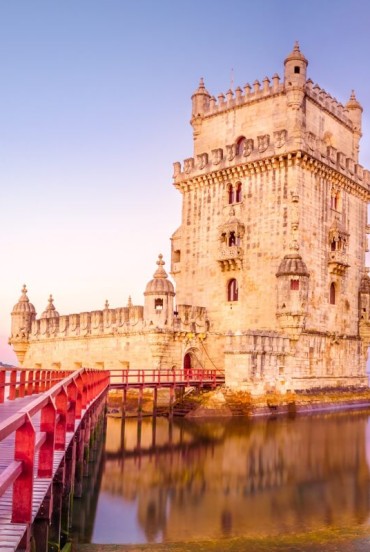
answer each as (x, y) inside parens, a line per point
(295, 72)
(355, 114)
(23, 314)
(200, 100)
(159, 294)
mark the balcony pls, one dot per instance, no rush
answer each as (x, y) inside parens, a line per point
(338, 262)
(230, 257)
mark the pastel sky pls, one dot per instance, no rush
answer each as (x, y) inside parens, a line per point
(95, 108)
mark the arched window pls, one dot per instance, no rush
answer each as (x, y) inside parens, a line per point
(238, 193)
(240, 145)
(158, 304)
(332, 293)
(232, 290)
(230, 191)
(333, 245)
(232, 239)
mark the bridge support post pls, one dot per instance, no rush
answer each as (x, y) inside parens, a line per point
(67, 498)
(56, 516)
(40, 527)
(140, 402)
(172, 396)
(79, 461)
(86, 452)
(155, 401)
(124, 399)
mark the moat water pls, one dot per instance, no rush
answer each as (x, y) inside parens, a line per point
(298, 484)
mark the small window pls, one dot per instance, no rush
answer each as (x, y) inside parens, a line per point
(294, 285)
(297, 69)
(158, 304)
(232, 290)
(176, 257)
(232, 239)
(333, 245)
(230, 191)
(240, 145)
(238, 194)
(332, 293)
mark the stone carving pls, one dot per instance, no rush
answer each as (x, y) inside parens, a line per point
(263, 142)
(280, 137)
(217, 156)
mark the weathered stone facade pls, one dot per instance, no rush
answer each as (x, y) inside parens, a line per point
(269, 260)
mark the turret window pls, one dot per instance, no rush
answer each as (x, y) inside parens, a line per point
(158, 304)
(294, 285)
(332, 293)
(232, 290)
(238, 193)
(297, 69)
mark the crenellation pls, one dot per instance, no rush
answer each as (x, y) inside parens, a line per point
(272, 244)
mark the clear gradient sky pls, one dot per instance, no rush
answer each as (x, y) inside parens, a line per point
(95, 108)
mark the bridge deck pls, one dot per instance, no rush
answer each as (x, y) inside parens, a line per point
(11, 534)
(31, 423)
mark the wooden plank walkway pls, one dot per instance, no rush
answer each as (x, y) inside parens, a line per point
(11, 534)
(66, 404)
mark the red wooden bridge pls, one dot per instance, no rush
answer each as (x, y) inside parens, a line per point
(49, 423)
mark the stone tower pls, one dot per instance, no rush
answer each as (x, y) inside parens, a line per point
(273, 235)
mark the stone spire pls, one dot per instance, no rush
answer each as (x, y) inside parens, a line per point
(296, 55)
(353, 103)
(50, 311)
(200, 100)
(160, 272)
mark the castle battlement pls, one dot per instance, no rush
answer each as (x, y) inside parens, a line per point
(275, 149)
(272, 243)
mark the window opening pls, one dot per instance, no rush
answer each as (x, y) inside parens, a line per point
(158, 304)
(232, 290)
(232, 239)
(231, 194)
(297, 69)
(332, 293)
(240, 145)
(294, 285)
(238, 194)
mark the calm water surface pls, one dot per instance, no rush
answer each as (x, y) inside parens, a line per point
(294, 484)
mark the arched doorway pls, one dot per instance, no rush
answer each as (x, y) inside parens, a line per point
(187, 365)
(191, 362)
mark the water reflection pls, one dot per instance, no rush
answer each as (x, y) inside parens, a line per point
(164, 482)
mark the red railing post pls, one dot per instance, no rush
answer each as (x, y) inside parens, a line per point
(29, 389)
(23, 485)
(72, 400)
(22, 381)
(60, 430)
(2, 384)
(13, 383)
(46, 454)
(37, 381)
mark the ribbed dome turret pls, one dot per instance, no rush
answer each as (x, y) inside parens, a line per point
(296, 55)
(24, 306)
(160, 283)
(50, 311)
(292, 265)
(353, 102)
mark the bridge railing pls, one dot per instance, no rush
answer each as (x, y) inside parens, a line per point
(20, 382)
(58, 408)
(163, 377)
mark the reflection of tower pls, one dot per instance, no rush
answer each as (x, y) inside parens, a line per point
(23, 314)
(152, 513)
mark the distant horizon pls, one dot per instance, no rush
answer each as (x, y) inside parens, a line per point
(95, 108)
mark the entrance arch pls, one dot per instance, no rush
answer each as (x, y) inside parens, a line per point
(191, 362)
